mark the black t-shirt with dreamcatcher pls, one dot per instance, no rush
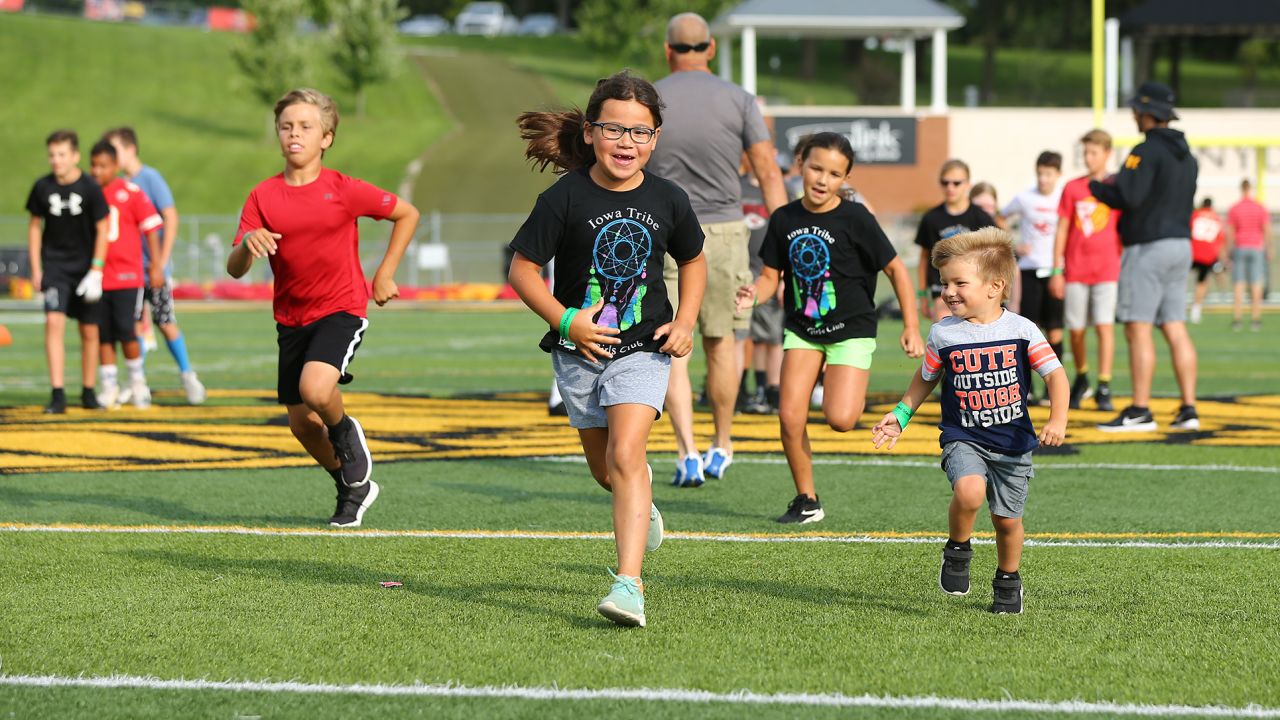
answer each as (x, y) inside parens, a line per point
(830, 263)
(611, 244)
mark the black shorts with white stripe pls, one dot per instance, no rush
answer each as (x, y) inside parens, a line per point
(333, 340)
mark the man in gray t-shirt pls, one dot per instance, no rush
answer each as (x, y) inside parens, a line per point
(707, 124)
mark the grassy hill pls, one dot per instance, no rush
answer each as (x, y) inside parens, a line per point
(182, 92)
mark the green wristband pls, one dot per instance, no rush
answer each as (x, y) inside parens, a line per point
(98, 263)
(1055, 271)
(903, 413)
(565, 321)
(922, 293)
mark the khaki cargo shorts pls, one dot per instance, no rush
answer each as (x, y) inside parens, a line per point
(728, 268)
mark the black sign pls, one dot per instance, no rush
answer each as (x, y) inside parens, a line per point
(875, 140)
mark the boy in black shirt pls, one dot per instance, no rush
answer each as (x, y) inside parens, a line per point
(67, 239)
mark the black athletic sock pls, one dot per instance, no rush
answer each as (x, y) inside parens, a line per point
(1004, 575)
(760, 379)
(954, 545)
(341, 426)
(59, 394)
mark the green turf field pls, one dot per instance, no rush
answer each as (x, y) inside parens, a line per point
(152, 557)
(181, 90)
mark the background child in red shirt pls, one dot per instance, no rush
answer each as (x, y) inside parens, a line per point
(1207, 236)
(304, 222)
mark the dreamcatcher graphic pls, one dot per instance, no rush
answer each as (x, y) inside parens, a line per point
(811, 268)
(617, 270)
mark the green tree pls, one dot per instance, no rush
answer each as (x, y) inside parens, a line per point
(634, 33)
(365, 47)
(272, 57)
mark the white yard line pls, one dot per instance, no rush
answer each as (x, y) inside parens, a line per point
(659, 695)
(1085, 540)
(751, 459)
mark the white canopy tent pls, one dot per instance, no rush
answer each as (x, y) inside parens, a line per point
(908, 20)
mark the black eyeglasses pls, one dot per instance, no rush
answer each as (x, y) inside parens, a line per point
(613, 131)
(683, 48)
(952, 183)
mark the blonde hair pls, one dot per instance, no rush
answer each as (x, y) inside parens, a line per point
(990, 249)
(325, 104)
(955, 164)
(1101, 138)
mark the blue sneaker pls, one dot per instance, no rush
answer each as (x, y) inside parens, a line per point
(689, 471)
(716, 462)
(654, 541)
(625, 602)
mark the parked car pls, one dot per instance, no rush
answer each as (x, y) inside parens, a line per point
(424, 26)
(485, 18)
(538, 25)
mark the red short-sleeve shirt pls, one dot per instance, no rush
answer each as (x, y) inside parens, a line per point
(131, 215)
(317, 260)
(1093, 248)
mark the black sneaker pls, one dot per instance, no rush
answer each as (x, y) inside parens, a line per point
(558, 410)
(1080, 391)
(1006, 594)
(352, 502)
(57, 405)
(1186, 419)
(953, 578)
(756, 404)
(89, 399)
(803, 510)
(1131, 419)
(350, 447)
(1103, 397)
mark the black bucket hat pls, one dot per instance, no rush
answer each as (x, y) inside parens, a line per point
(1155, 99)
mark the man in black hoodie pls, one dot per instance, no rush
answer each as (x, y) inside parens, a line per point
(1155, 192)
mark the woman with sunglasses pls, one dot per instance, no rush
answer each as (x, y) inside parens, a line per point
(608, 225)
(955, 215)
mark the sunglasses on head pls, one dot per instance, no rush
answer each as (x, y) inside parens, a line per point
(952, 183)
(683, 48)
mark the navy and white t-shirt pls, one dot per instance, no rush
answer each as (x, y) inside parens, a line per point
(830, 262)
(610, 245)
(986, 377)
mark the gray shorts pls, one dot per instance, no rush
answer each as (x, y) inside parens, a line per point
(1153, 282)
(1007, 475)
(1249, 266)
(1089, 305)
(587, 389)
(767, 321)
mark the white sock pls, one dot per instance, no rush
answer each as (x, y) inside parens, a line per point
(135, 370)
(109, 375)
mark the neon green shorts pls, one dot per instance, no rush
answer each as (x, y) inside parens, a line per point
(854, 352)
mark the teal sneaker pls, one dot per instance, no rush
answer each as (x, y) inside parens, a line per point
(625, 602)
(654, 541)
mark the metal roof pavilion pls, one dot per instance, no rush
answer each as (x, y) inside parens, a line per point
(904, 19)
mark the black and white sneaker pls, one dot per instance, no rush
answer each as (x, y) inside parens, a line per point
(350, 447)
(352, 502)
(57, 404)
(1131, 419)
(1103, 397)
(1006, 596)
(953, 578)
(1080, 391)
(89, 399)
(803, 509)
(1186, 419)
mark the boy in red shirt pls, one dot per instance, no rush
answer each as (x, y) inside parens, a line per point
(130, 212)
(1086, 269)
(1206, 248)
(304, 222)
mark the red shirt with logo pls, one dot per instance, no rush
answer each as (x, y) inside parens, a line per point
(1093, 247)
(317, 260)
(1207, 236)
(131, 214)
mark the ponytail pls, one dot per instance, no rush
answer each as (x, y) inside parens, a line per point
(555, 137)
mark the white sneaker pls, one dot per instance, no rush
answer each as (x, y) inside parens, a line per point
(109, 396)
(689, 471)
(654, 540)
(140, 394)
(149, 340)
(125, 397)
(196, 393)
(816, 398)
(1195, 314)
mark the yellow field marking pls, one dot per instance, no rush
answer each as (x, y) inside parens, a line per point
(570, 535)
(244, 430)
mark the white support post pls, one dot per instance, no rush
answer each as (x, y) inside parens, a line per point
(938, 83)
(1110, 95)
(724, 52)
(749, 59)
(908, 74)
(1126, 66)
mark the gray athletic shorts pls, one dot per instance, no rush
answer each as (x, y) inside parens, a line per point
(1153, 282)
(1090, 305)
(1249, 266)
(767, 321)
(587, 389)
(1007, 475)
